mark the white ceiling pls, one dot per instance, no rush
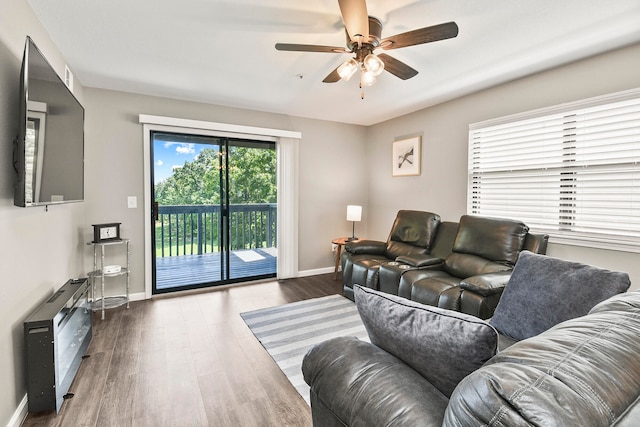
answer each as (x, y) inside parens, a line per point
(222, 51)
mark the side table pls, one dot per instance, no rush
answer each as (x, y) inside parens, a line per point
(340, 242)
(101, 274)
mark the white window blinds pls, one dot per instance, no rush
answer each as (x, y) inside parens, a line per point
(571, 171)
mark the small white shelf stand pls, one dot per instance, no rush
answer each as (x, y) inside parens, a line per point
(99, 273)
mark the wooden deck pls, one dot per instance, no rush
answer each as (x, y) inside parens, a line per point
(185, 270)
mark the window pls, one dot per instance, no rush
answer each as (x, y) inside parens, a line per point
(572, 171)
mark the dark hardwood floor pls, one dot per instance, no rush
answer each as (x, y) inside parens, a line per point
(187, 360)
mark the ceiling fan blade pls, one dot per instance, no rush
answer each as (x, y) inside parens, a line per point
(396, 67)
(423, 35)
(310, 48)
(355, 18)
(332, 77)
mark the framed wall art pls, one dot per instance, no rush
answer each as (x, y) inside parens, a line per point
(406, 156)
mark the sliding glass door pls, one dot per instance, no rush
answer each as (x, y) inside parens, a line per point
(215, 211)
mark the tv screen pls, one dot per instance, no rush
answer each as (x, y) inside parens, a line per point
(49, 151)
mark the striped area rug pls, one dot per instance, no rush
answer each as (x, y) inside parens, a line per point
(288, 331)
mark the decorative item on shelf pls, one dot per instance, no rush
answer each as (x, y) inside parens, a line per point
(354, 213)
(406, 157)
(106, 232)
(112, 269)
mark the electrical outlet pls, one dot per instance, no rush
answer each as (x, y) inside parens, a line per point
(334, 247)
(132, 202)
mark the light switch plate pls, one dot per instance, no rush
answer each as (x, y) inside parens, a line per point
(132, 202)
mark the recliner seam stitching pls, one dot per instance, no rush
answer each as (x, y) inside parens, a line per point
(550, 372)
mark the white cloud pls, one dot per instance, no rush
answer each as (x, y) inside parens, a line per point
(186, 149)
(159, 163)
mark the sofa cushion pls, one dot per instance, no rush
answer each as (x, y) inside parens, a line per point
(496, 239)
(467, 265)
(395, 249)
(544, 291)
(414, 228)
(371, 247)
(419, 260)
(439, 290)
(365, 272)
(486, 284)
(354, 383)
(621, 302)
(442, 345)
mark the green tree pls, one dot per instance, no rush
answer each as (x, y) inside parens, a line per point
(252, 178)
(252, 175)
(191, 184)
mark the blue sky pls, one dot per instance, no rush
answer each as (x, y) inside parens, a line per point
(169, 155)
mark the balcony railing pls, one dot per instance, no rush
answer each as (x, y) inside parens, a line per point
(195, 229)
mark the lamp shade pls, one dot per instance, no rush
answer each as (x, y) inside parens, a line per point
(367, 78)
(354, 213)
(373, 64)
(347, 69)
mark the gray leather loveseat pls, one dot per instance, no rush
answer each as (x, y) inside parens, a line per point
(565, 357)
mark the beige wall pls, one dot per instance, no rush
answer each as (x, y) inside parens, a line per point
(332, 176)
(444, 128)
(329, 177)
(39, 250)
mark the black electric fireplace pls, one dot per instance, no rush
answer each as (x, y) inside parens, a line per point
(56, 336)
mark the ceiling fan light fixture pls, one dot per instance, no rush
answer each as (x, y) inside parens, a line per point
(373, 64)
(364, 35)
(347, 69)
(367, 78)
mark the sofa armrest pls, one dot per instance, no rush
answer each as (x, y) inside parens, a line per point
(372, 247)
(358, 383)
(486, 284)
(419, 260)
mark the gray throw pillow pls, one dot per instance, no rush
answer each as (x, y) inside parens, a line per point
(443, 346)
(544, 291)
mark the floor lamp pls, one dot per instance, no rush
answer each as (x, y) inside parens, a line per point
(354, 213)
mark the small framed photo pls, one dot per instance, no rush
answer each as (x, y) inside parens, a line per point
(406, 156)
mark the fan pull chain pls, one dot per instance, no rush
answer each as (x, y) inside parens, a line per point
(361, 93)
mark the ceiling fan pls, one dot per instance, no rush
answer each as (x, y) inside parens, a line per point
(364, 34)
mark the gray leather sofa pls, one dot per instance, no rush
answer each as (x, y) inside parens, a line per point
(584, 371)
(464, 266)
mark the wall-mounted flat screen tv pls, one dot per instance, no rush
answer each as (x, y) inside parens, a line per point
(49, 149)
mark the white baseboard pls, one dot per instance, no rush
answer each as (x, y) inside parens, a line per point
(137, 297)
(141, 296)
(316, 271)
(20, 414)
